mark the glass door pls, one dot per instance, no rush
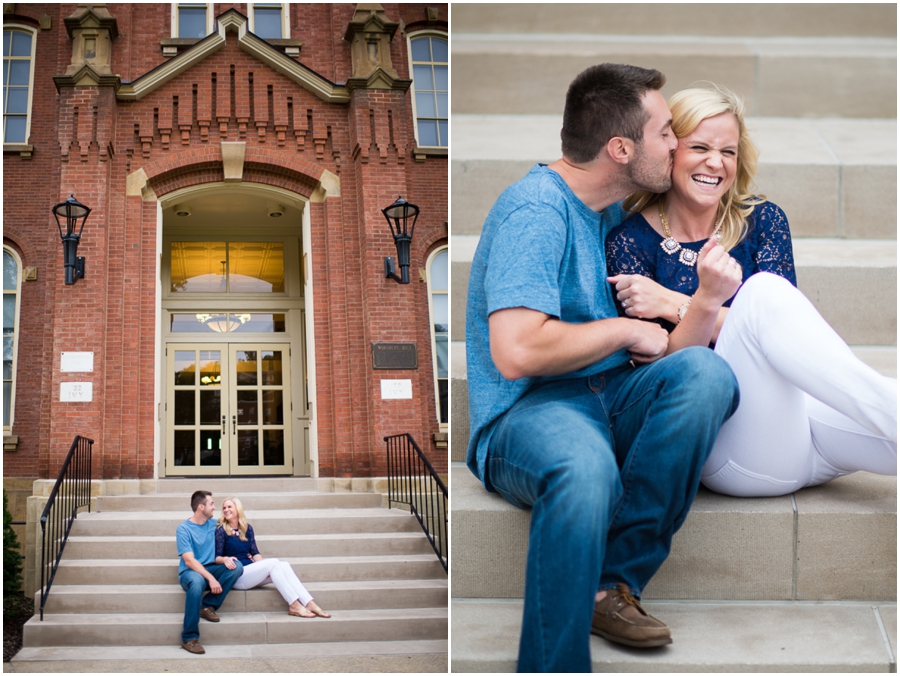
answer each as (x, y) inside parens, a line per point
(228, 409)
(260, 409)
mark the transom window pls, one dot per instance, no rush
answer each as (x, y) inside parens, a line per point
(191, 20)
(18, 46)
(431, 89)
(268, 20)
(438, 286)
(11, 278)
(227, 267)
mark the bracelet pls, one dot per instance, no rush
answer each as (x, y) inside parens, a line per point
(682, 311)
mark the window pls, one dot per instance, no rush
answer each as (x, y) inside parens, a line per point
(227, 267)
(11, 283)
(428, 54)
(191, 20)
(18, 71)
(268, 20)
(438, 284)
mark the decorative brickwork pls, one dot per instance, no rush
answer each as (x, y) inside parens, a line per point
(120, 154)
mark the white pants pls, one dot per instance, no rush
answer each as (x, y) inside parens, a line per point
(278, 573)
(810, 410)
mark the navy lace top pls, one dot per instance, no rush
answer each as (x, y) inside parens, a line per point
(232, 545)
(634, 248)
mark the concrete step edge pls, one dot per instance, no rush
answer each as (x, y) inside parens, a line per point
(255, 652)
(708, 637)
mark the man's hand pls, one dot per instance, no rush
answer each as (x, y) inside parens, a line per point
(649, 341)
(214, 585)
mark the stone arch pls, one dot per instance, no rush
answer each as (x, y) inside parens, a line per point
(233, 163)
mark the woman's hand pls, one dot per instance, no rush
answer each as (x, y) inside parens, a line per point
(642, 298)
(229, 562)
(720, 275)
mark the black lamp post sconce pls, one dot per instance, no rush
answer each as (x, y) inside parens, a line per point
(71, 211)
(401, 217)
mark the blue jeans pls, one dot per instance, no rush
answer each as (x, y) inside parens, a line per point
(195, 584)
(609, 465)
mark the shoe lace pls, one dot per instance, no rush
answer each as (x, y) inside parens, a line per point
(626, 596)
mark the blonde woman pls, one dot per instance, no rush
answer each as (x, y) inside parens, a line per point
(235, 542)
(810, 411)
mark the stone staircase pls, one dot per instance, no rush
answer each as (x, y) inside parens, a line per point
(116, 592)
(806, 582)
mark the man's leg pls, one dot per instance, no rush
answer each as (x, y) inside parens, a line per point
(194, 585)
(226, 578)
(552, 451)
(665, 418)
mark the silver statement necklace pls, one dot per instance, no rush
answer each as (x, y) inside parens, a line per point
(670, 246)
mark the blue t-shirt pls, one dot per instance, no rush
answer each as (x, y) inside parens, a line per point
(634, 248)
(201, 540)
(232, 545)
(541, 248)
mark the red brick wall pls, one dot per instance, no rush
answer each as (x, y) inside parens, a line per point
(87, 142)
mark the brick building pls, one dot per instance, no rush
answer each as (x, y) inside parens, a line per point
(234, 317)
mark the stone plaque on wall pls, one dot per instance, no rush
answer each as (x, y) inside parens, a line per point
(394, 356)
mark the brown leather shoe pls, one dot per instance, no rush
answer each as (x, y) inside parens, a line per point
(193, 646)
(209, 615)
(619, 617)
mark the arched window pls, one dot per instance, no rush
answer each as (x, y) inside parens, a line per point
(430, 70)
(18, 74)
(11, 285)
(439, 306)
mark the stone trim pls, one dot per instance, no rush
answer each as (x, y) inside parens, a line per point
(25, 150)
(234, 21)
(421, 152)
(10, 442)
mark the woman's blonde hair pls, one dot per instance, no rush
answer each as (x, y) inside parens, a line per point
(689, 108)
(241, 531)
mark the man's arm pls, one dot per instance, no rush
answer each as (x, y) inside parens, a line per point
(191, 562)
(526, 342)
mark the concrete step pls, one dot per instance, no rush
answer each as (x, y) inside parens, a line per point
(838, 76)
(666, 19)
(281, 546)
(707, 637)
(241, 628)
(270, 522)
(258, 501)
(833, 273)
(248, 658)
(832, 177)
(837, 541)
(222, 487)
(882, 358)
(169, 598)
(308, 569)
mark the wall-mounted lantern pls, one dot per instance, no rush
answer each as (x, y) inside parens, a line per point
(401, 217)
(72, 211)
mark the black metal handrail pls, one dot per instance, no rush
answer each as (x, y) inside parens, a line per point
(71, 492)
(413, 481)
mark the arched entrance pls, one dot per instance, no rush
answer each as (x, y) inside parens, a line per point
(234, 374)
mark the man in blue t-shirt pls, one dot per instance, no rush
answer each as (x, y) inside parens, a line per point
(575, 412)
(196, 538)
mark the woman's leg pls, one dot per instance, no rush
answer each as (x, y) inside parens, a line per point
(780, 348)
(288, 584)
(256, 574)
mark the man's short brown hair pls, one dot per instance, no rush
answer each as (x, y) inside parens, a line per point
(603, 102)
(198, 498)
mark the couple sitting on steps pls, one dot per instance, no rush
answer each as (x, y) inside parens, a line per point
(222, 556)
(594, 396)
